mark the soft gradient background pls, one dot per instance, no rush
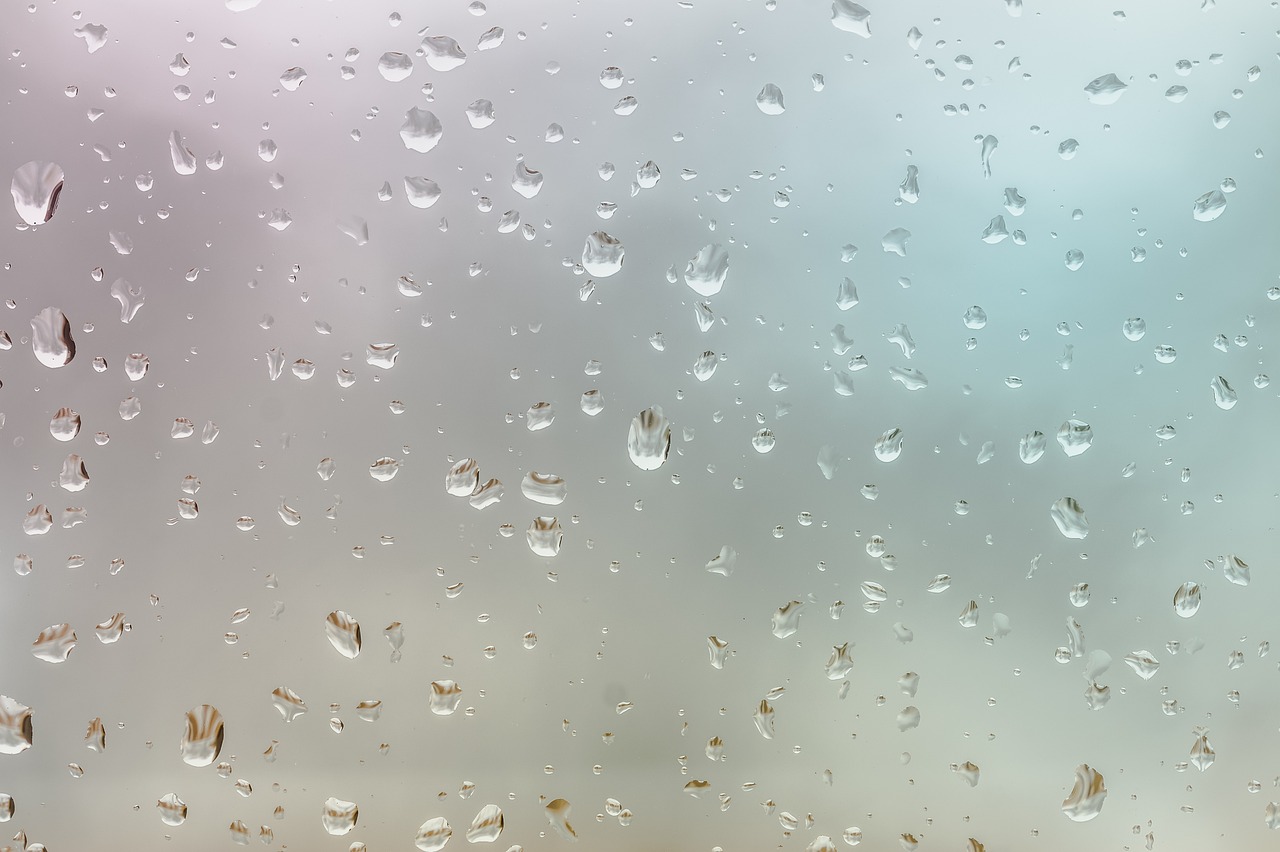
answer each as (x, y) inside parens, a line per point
(637, 631)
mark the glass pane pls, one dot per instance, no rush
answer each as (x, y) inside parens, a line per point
(692, 425)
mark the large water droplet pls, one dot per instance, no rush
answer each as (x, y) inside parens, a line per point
(184, 161)
(395, 66)
(851, 18)
(51, 339)
(1075, 436)
(602, 255)
(770, 100)
(1209, 206)
(649, 439)
(54, 644)
(15, 726)
(173, 811)
(889, 445)
(706, 271)
(1087, 796)
(443, 53)
(1106, 89)
(1186, 601)
(202, 738)
(421, 130)
(463, 478)
(545, 536)
(343, 633)
(1223, 395)
(288, 702)
(1069, 517)
(444, 698)
(421, 193)
(786, 620)
(36, 187)
(545, 488)
(339, 817)
(487, 825)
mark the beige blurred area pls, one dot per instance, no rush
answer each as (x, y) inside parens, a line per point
(586, 677)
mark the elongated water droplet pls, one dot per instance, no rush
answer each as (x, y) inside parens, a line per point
(487, 825)
(51, 339)
(343, 633)
(202, 738)
(649, 439)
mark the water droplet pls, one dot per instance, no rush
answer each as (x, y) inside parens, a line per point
(1075, 437)
(851, 18)
(65, 425)
(786, 620)
(894, 242)
(443, 53)
(557, 813)
(545, 488)
(1209, 206)
(384, 469)
(649, 439)
(51, 338)
(889, 445)
(462, 479)
(433, 834)
(1142, 663)
(544, 536)
(343, 633)
(840, 663)
(1186, 600)
(184, 162)
(995, 232)
(288, 702)
(36, 188)
(1087, 796)
(339, 817)
(706, 271)
(989, 145)
(421, 130)
(908, 718)
(770, 100)
(486, 826)
(764, 719)
(763, 441)
(54, 643)
(1106, 89)
(602, 255)
(1223, 396)
(1069, 517)
(173, 811)
(421, 193)
(202, 738)
(395, 66)
(909, 378)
